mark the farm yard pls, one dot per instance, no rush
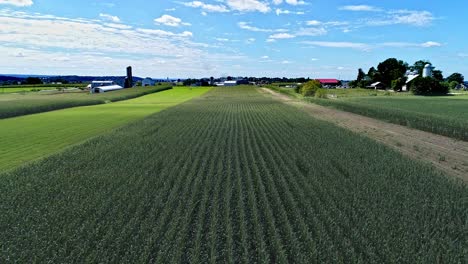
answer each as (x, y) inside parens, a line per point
(230, 176)
(18, 104)
(29, 137)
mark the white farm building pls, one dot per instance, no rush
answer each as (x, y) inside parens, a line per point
(148, 82)
(104, 86)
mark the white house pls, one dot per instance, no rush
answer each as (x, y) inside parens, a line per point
(230, 83)
(148, 82)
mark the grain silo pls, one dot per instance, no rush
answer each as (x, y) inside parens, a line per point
(427, 71)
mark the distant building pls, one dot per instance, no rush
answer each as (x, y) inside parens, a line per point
(462, 86)
(148, 82)
(230, 83)
(329, 83)
(410, 76)
(104, 86)
(427, 71)
(377, 85)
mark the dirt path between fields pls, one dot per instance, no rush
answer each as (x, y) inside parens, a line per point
(447, 154)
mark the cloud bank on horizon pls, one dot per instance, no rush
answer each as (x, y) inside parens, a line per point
(310, 38)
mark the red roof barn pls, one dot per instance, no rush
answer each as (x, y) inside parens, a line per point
(329, 81)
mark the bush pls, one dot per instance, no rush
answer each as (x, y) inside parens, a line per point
(398, 84)
(310, 88)
(427, 86)
(453, 85)
(321, 93)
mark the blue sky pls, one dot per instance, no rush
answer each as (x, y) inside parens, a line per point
(291, 38)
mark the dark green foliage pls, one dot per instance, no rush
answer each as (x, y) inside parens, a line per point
(427, 86)
(361, 75)
(453, 85)
(373, 75)
(234, 177)
(32, 80)
(45, 103)
(398, 84)
(437, 74)
(310, 87)
(391, 69)
(456, 77)
(419, 66)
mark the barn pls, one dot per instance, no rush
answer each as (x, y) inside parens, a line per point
(104, 86)
(329, 83)
(108, 88)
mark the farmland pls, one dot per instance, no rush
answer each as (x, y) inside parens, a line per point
(232, 176)
(12, 105)
(30, 137)
(35, 88)
(444, 115)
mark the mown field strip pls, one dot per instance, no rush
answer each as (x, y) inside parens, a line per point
(30, 137)
(232, 176)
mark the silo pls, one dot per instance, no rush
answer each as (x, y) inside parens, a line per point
(427, 71)
(129, 79)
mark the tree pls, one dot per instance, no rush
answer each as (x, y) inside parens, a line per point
(437, 74)
(373, 74)
(453, 85)
(419, 66)
(391, 69)
(456, 77)
(310, 88)
(427, 86)
(361, 75)
(33, 80)
(397, 85)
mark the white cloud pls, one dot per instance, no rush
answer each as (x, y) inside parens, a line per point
(286, 62)
(207, 7)
(108, 17)
(313, 23)
(311, 32)
(170, 21)
(249, 6)
(428, 44)
(295, 2)
(463, 55)
(287, 12)
(431, 44)
(418, 18)
(281, 36)
(17, 2)
(247, 26)
(250, 40)
(404, 17)
(265, 57)
(350, 45)
(119, 26)
(358, 8)
(368, 47)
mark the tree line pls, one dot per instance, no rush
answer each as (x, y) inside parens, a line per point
(392, 74)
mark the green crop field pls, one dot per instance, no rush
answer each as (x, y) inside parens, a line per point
(30, 137)
(232, 176)
(12, 105)
(445, 115)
